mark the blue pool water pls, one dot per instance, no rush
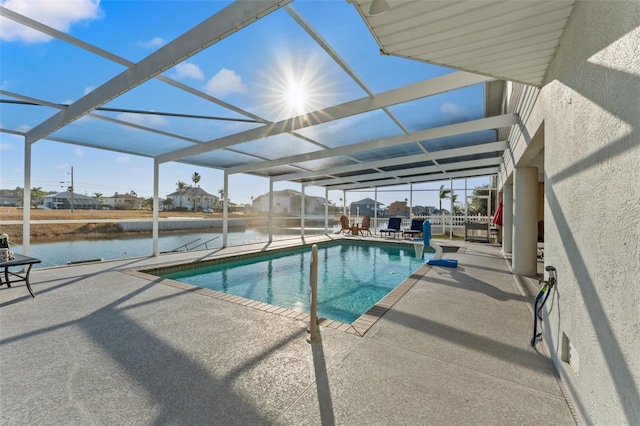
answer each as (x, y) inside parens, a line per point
(352, 277)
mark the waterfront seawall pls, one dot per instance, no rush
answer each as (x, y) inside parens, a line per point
(179, 224)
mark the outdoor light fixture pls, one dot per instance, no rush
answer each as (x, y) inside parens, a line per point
(378, 7)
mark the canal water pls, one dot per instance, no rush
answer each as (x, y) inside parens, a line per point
(64, 252)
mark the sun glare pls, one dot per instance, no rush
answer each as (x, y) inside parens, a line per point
(295, 87)
(296, 96)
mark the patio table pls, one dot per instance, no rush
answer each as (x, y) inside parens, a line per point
(13, 277)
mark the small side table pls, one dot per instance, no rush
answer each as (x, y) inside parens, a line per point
(13, 277)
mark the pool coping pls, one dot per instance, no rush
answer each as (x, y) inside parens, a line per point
(359, 327)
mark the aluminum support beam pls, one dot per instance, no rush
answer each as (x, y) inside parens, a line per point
(411, 92)
(338, 60)
(225, 209)
(217, 27)
(156, 209)
(26, 202)
(495, 161)
(411, 201)
(302, 200)
(505, 120)
(430, 178)
(270, 211)
(451, 215)
(326, 210)
(436, 155)
(375, 210)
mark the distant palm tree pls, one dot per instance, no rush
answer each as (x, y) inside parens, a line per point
(181, 187)
(444, 193)
(98, 195)
(196, 178)
(221, 200)
(457, 209)
(36, 195)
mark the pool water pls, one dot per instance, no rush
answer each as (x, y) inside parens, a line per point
(352, 277)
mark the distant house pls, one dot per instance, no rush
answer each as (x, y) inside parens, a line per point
(193, 199)
(65, 200)
(423, 210)
(288, 202)
(365, 207)
(9, 200)
(123, 202)
(398, 208)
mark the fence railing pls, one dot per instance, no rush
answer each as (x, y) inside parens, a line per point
(446, 221)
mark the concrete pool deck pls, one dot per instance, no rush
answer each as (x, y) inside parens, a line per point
(102, 345)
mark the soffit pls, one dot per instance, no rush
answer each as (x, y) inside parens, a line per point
(510, 40)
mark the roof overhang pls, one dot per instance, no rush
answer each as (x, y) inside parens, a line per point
(510, 40)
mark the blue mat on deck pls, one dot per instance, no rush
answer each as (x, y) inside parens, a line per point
(449, 263)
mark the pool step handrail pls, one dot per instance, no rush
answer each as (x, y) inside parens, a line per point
(313, 284)
(185, 246)
(205, 243)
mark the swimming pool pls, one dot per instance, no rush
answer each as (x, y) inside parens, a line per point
(352, 277)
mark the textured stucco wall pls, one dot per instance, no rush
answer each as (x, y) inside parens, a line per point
(591, 104)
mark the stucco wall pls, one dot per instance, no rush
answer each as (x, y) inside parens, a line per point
(591, 105)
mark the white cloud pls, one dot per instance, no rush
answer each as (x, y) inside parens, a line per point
(7, 147)
(79, 152)
(154, 42)
(89, 89)
(24, 128)
(224, 83)
(123, 159)
(143, 119)
(188, 70)
(453, 109)
(57, 14)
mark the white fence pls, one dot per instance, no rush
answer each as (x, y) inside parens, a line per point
(445, 224)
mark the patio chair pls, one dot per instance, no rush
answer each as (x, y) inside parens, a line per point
(393, 227)
(415, 231)
(366, 223)
(344, 225)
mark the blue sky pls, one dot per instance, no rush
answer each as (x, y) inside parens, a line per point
(252, 69)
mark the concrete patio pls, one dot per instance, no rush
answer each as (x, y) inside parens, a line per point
(100, 345)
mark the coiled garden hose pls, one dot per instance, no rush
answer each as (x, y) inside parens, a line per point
(545, 291)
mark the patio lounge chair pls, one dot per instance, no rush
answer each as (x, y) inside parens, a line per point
(366, 223)
(415, 231)
(393, 227)
(344, 225)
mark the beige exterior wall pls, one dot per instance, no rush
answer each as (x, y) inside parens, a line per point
(590, 111)
(540, 201)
